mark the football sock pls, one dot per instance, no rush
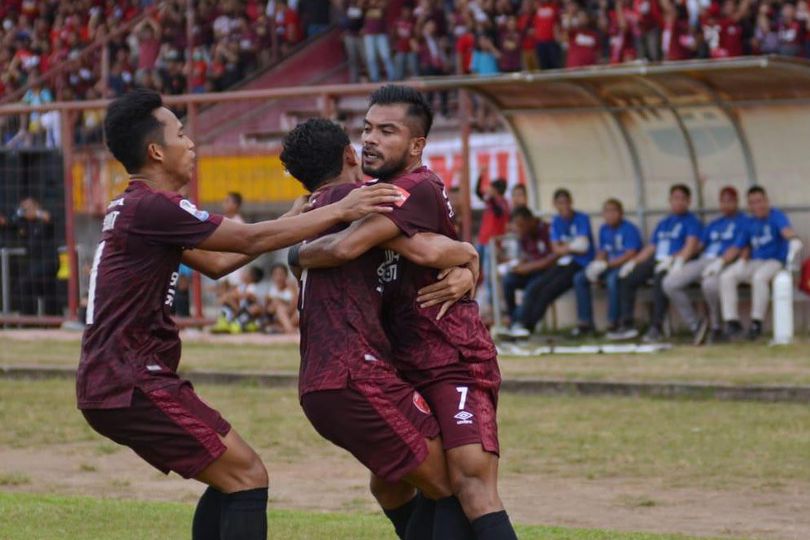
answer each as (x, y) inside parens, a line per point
(420, 526)
(450, 523)
(244, 515)
(206, 517)
(400, 516)
(493, 526)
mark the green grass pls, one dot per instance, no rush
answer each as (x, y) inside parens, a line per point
(735, 363)
(672, 442)
(26, 517)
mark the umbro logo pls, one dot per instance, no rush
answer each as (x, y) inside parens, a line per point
(464, 417)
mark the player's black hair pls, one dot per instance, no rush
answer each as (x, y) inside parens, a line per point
(756, 189)
(256, 273)
(500, 185)
(562, 192)
(522, 212)
(236, 197)
(683, 188)
(130, 126)
(282, 266)
(615, 202)
(521, 187)
(313, 151)
(418, 107)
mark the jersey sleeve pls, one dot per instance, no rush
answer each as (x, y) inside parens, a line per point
(694, 228)
(582, 224)
(743, 234)
(633, 239)
(420, 212)
(555, 229)
(173, 221)
(780, 220)
(658, 228)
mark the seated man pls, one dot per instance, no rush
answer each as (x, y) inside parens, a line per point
(535, 256)
(772, 243)
(572, 242)
(619, 241)
(282, 300)
(675, 240)
(718, 251)
(241, 307)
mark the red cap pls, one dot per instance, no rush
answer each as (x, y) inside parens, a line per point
(729, 190)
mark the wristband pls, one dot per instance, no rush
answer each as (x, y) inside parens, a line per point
(293, 258)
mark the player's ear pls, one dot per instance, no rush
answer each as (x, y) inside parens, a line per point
(154, 151)
(418, 145)
(350, 156)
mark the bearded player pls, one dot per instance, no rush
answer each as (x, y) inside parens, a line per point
(452, 362)
(349, 389)
(127, 384)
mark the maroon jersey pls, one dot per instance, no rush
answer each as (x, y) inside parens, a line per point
(419, 341)
(131, 340)
(342, 336)
(536, 245)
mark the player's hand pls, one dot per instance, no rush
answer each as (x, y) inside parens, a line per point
(627, 268)
(299, 206)
(368, 200)
(453, 284)
(713, 268)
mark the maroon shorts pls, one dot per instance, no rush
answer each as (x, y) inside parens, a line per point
(171, 428)
(464, 400)
(382, 423)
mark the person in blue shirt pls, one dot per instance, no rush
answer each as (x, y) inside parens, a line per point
(769, 243)
(572, 242)
(717, 242)
(675, 241)
(619, 241)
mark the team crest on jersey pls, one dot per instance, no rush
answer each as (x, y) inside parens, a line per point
(420, 403)
(189, 207)
(405, 194)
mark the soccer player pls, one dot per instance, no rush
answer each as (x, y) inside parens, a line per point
(572, 242)
(675, 240)
(349, 388)
(619, 241)
(452, 362)
(127, 384)
(718, 241)
(773, 244)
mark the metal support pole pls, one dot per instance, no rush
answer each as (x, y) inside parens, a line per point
(466, 195)
(66, 125)
(194, 195)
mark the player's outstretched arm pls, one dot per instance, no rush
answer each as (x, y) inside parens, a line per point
(433, 250)
(340, 248)
(257, 238)
(215, 265)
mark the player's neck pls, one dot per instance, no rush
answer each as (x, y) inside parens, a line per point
(156, 181)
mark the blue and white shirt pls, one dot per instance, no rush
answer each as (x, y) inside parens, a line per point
(616, 241)
(764, 236)
(565, 230)
(721, 234)
(671, 233)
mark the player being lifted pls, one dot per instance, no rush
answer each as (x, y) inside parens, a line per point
(349, 389)
(127, 384)
(452, 362)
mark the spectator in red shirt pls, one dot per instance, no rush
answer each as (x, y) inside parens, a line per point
(791, 32)
(375, 40)
(510, 46)
(433, 61)
(546, 26)
(722, 30)
(678, 41)
(465, 45)
(494, 221)
(648, 24)
(527, 44)
(148, 32)
(405, 45)
(583, 42)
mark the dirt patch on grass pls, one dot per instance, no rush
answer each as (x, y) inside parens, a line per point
(338, 483)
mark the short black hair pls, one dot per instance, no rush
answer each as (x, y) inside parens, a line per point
(521, 187)
(313, 151)
(562, 192)
(615, 202)
(256, 273)
(418, 106)
(683, 188)
(236, 197)
(756, 189)
(522, 212)
(130, 126)
(500, 185)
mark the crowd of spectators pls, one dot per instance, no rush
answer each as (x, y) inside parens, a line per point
(500, 36)
(231, 38)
